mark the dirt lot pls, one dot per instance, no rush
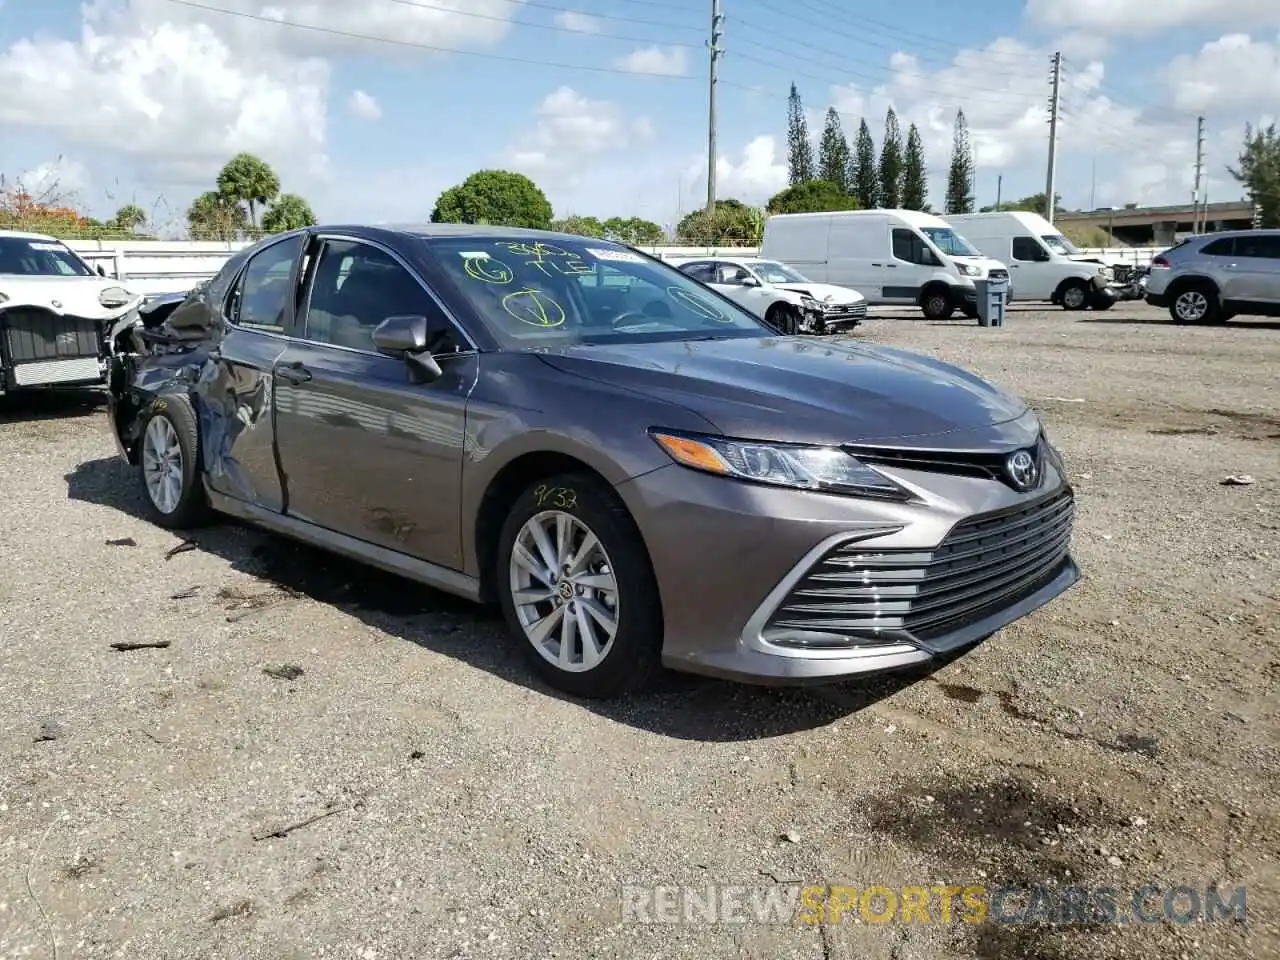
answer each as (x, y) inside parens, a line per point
(1124, 735)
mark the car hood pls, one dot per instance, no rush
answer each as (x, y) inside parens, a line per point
(76, 296)
(826, 292)
(986, 263)
(808, 391)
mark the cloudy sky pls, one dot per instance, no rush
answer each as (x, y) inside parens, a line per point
(371, 108)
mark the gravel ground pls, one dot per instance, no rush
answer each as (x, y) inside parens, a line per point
(1124, 735)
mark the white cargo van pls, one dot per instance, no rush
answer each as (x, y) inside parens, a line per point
(889, 256)
(1044, 264)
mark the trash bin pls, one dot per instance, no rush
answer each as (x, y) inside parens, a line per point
(992, 297)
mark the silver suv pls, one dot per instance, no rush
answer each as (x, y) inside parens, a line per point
(1212, 278)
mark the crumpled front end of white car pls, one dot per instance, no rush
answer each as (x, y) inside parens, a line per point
(55, 333)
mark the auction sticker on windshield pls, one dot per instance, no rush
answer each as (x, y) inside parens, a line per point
(618, 256)
(42, 245)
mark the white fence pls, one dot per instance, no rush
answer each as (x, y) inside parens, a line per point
(157, 266)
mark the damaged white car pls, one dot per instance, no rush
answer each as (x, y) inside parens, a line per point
(56, 313)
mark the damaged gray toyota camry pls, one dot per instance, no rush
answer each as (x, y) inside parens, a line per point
(636, 469)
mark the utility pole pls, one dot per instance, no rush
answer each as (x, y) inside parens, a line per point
(1093, 183)
(999, 189)
(1055, 101)
(1195, 193)
(717, 20)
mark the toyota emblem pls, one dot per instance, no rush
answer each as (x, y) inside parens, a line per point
(1024, 472)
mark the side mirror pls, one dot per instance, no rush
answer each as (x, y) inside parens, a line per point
(101, 271)
(406, 339)
(749, 281)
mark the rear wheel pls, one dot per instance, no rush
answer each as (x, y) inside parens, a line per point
(577, 588)
(936, 303)
(1196, 303)
(169, 465)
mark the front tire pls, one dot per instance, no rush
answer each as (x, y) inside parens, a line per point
(784, 319)
(577, 588)
(1075, 295)
(169, 466)
(936, 304)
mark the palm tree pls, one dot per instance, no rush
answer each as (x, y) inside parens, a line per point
(289, 212)
(248, 180)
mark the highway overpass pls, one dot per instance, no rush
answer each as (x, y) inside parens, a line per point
(1159, 226)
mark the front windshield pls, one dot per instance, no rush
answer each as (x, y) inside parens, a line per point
(770, 271)
(1059, 244)
(950, 242)
(31, 257)
(530, 293)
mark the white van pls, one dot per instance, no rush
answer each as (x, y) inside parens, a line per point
(1043, 263)
(889, 256)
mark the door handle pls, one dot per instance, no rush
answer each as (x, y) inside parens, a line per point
(295, 373)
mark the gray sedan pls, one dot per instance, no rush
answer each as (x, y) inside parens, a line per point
(635, 468)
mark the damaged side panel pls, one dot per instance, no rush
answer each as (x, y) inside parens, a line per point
(224, 372)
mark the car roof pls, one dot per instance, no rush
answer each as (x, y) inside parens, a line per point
(433, 230)
(25, 235)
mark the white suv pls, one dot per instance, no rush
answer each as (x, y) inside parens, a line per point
(1212, 278)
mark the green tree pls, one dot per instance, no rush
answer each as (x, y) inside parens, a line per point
(213, 216)
(812, 196)
(866, 185)
(498, 197)
(1033, 204)
(288, 212)
(915, 175)
(730, 220)
(889, 172)
(248, 180)
(960, 175)
(799, 149)
(128, 218)
(834, 158)
(634, 230)
(580, 226)
(1258, 168)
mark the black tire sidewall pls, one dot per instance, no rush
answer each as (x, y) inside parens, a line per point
(637, 644)
(943, 312)
(192, 508)
(1084, 294)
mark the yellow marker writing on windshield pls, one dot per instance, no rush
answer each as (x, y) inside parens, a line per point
(488, 270)
(534, 308)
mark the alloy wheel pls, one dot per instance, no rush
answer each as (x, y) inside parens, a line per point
(1191, 306)
(564, 591)
(162, 464)
(1073, 298)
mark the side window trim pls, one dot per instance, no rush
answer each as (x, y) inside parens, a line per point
(322, 237)
(236, 290)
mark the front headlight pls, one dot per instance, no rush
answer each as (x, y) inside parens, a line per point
(967, 270)
(114, 297)
(802, 467)
(811, 305)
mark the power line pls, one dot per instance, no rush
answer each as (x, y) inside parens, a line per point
(413, 45)
(423, 5)
(541, 5)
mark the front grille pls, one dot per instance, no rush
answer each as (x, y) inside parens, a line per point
(862, 596)
(31, 333)
(986, 466)
(998, 275)
(846, 311)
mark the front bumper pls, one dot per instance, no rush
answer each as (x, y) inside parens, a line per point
(1157, 299)
(750, 577)
(42, 348)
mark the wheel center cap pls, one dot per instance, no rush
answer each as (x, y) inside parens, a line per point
(565, 589)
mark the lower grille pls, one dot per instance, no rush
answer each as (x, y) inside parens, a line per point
(31, 333)
(857, 596)
(998, 275)
(846, 311)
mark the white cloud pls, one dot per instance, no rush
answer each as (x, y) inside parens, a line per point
(364, 106)
(754, 177)
(577, 22)
(60, 182)
(1234, 72)
(179, 90)
(656, 61)
(1140, 18)
(569, 132)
